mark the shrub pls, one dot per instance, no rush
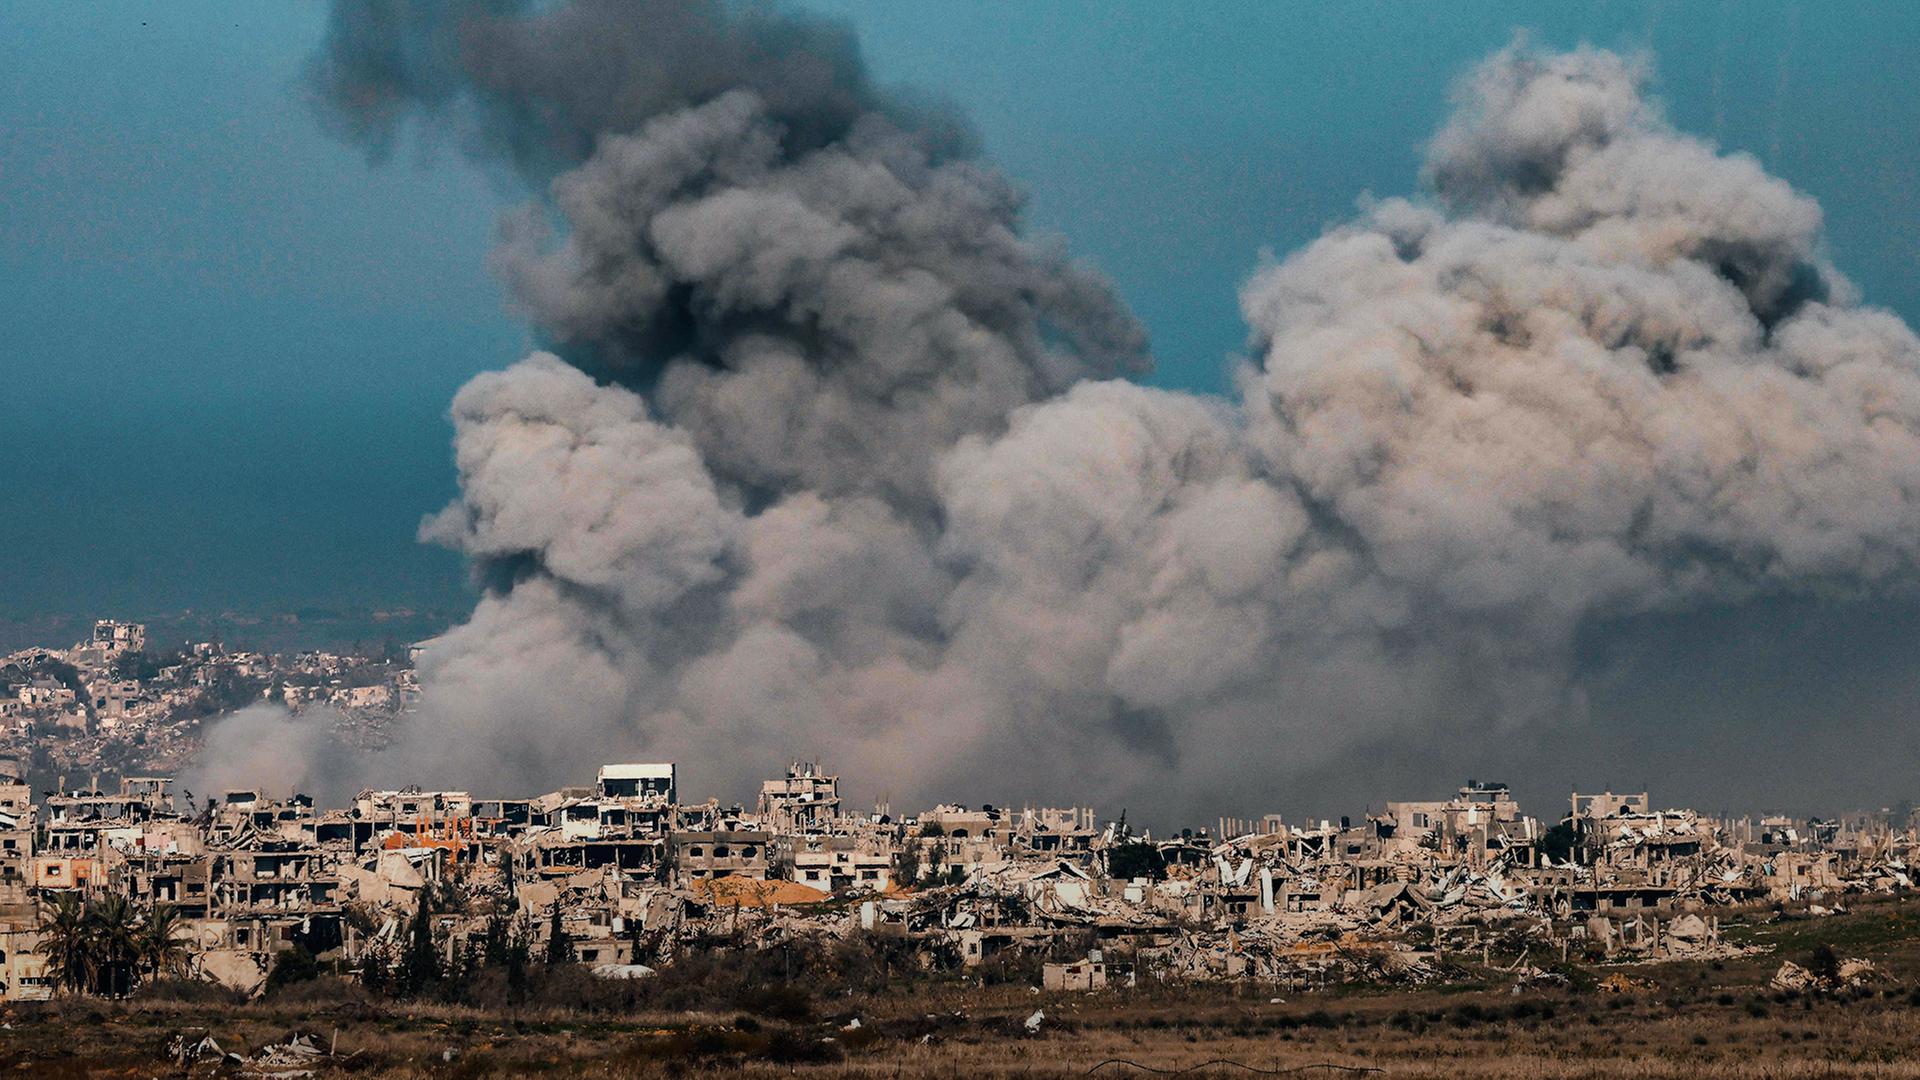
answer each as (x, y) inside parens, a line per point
(189, 992)
(321, 991)
(798, 1048)
(290, 966)
(1558, 842)
(1824, 964)
(778, 1001)
(1468, 1014)
(1015, 966)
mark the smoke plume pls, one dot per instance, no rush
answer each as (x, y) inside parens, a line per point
(273, 752)
(828, 457)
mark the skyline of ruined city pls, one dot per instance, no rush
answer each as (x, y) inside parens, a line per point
(625, 873)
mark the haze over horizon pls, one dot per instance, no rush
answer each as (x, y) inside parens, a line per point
(237, 365)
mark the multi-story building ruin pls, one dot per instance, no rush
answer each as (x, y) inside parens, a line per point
(630, 876)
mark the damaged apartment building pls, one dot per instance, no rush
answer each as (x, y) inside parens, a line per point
(633, 877)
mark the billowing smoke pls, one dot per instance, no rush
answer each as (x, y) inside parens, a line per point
(829, 458)
(274, 752)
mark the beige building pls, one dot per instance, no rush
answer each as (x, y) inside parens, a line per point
(699, 855)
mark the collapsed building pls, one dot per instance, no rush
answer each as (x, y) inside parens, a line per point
(629, 877)
(120, 699)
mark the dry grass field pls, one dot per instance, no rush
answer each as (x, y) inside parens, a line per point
(1697, 1019)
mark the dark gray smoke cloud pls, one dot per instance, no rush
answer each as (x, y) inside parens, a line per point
(538, 85)
(830, 458)
(807, 274)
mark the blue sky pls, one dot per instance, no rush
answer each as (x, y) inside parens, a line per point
(230, 341)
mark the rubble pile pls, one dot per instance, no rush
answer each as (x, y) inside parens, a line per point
(623, 877)
(1844, 975)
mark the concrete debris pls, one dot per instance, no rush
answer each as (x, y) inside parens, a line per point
(632, 878)
(295, 1048)
(1620, 983)
(1857, 972)
(1792, 976)
(187, 1050)
(623, 971)
(1846, 974)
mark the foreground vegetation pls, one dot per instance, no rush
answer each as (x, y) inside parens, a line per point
(765, 1014)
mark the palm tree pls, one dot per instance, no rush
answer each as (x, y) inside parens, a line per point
(114, 931)
(67, 941)
(158, 947)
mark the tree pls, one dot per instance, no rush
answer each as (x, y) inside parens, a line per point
(224, 694)
(420, 964)
(291, 966)
(466, 960)
(90, 946)
(906, 864)
(376, 968)
(157, 947)
(66, 942)
(63, 673)
(128, 665)
(1136, 859)
(446, 895)
(1825, 964)
(519, 952)
(496, 944)
(142, 666)
(1558, 843)
(559, 949)
(636, 939)
(115, 929)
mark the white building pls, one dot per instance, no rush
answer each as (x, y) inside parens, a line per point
(640, 778)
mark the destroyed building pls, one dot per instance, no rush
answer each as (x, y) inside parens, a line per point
(629, 877)
(118, 701)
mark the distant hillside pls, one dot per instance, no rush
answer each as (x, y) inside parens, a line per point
(290, 631)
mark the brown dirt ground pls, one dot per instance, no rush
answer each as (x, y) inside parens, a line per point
(1700, 1019)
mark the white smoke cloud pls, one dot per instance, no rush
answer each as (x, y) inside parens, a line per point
(609, 500)
(267, 749)
(1617, 376)
(836, 464)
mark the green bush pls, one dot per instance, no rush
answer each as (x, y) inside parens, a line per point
(290, 966)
